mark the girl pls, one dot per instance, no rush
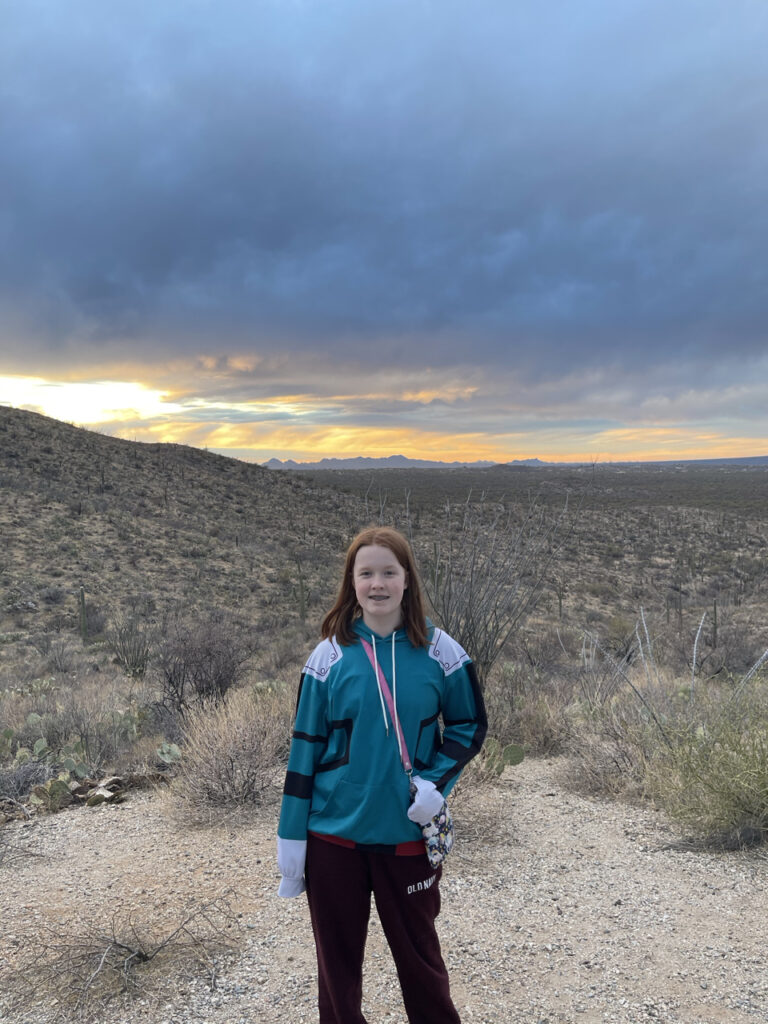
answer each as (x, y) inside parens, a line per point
(347, 826)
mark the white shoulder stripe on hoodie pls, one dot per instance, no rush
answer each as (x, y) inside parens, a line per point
(323, 658)
(445, 650)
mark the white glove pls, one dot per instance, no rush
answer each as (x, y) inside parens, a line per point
(291, 858)
(427, 802)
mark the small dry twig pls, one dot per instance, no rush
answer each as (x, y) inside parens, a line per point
(84, 967)
(10, 853)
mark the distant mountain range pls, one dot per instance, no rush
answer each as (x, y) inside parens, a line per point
(390, 462)
(402, 462)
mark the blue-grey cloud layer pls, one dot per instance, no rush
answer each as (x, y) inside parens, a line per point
(541, 184)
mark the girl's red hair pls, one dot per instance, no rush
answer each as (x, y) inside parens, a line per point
(338, 621)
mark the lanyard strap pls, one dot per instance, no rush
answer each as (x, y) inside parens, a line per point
(384, 686)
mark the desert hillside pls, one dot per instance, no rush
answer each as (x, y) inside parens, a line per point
(156, 607)
(132, 522)
(169, 524)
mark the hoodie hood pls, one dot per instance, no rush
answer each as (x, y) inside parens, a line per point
(366, 633)
(401, 636)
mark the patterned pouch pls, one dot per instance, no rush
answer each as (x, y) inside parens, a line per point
(438, 836)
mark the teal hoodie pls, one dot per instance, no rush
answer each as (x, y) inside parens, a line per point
(345, 777)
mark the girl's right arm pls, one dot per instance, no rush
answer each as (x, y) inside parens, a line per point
(310, 736)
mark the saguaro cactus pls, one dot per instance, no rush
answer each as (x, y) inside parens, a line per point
(82, 614)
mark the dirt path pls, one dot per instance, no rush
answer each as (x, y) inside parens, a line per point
(555, 909)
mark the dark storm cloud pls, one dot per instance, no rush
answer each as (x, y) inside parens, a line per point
(492, 182)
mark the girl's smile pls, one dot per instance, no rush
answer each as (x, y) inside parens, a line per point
(380, 582)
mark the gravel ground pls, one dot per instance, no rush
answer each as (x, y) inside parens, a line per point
(556, 908)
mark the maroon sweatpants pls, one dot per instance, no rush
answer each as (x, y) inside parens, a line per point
(340, 881)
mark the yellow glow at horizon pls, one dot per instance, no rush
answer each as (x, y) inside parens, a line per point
(308, 443)
(288, 428)
(86, 402)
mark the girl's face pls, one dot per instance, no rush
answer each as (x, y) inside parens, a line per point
(379, 581)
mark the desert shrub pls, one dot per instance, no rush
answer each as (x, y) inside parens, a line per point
(485, 573)
(99, 718)
(131, 641)
(286, 651)
(24, 717)
(611, 748)
(201, 659)
(14, 706)
(59, 652)
(601, 589)
(526, 706)
(618, 719)
(94, 715)
(95, 621)
(232, 754)
(699, 748)
(543, 725)
(735, 650)
(164, 721)
(80, 965)
(17, 780)
(619, 635)
(714, 780)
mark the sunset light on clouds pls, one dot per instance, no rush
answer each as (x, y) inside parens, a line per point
(454, 232)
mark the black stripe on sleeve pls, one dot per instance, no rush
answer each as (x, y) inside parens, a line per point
(298, 785)
(308, 737)
(457, 751)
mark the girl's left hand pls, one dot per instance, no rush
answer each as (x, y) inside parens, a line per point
(426, 803)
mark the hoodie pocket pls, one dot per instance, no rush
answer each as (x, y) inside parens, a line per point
(365, 814)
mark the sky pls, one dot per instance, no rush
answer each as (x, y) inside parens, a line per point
(450, 230)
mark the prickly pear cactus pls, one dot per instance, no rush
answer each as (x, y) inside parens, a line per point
(168, 753)
(497, 757)
(52, 795)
